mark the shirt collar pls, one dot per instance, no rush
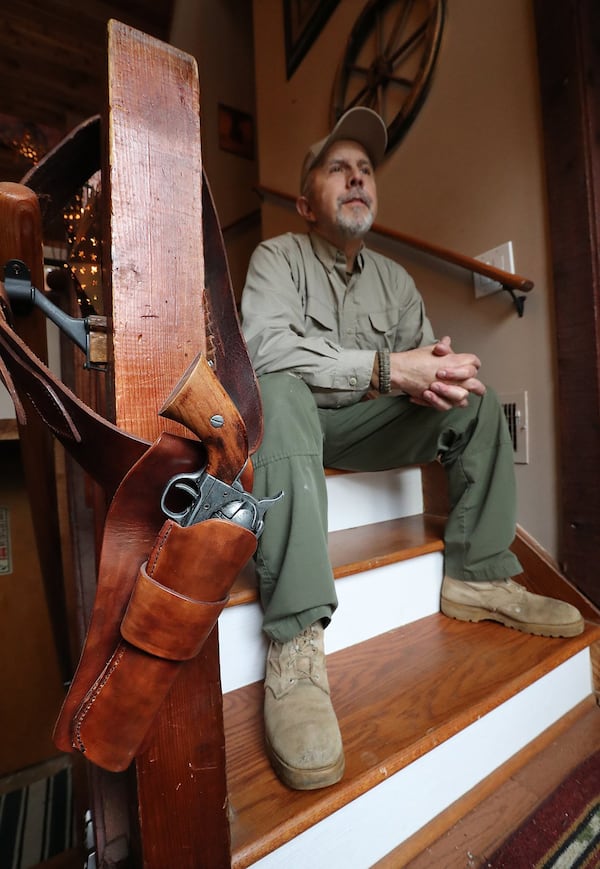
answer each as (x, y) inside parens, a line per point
(328, 254)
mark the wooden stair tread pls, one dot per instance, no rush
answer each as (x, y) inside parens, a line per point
(363, 548)
(397, 696)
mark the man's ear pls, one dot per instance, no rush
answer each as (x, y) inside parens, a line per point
(304, 210)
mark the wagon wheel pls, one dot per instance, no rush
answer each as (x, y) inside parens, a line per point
(389, 61)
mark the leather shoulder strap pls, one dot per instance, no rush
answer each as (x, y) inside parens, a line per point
(64, 170)
(102, 449)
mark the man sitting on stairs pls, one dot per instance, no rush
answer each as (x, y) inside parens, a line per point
(352, 377)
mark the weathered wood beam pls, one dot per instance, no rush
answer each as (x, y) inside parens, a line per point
(155, 278)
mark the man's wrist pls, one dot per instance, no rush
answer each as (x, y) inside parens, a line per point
(384, 376)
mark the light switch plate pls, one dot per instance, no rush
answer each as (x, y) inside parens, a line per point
(500, 257)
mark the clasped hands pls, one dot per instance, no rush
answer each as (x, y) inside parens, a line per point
(434, 376)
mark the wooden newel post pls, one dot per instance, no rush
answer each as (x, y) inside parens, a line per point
(154, 274)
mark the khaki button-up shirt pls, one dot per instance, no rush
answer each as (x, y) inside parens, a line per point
(303, 313)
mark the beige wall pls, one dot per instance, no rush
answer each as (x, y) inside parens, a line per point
(467, 176)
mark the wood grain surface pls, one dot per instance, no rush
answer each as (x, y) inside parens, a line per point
(397, 696)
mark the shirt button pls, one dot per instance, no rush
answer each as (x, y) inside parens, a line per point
(352, 381)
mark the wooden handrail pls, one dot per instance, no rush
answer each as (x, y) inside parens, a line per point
(242, 222)
(508, 280)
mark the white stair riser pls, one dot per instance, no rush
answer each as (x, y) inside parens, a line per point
(371, 826)
(409, 590)
(364, 498)
(354, 499)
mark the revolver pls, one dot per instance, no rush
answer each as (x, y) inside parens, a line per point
(215, 491)
(212, 498)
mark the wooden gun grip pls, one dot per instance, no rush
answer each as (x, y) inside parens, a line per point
(202, 405)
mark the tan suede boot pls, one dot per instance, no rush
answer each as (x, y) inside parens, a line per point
(303, 739)
(507, 602)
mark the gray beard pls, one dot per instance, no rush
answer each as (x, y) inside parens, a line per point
(354, 227)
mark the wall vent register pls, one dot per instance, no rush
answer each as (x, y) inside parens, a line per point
(514, 406)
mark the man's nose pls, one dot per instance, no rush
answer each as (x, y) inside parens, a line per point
(355, 177)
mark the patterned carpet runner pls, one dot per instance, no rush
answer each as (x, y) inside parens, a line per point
(564, 831)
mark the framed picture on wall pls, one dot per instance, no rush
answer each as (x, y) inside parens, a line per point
(236, 131)
(303, 21)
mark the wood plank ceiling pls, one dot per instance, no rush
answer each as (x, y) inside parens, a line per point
(53, 67)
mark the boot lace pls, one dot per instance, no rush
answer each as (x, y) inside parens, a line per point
(303, 650)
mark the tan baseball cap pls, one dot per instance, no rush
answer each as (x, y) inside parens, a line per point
(359, 124)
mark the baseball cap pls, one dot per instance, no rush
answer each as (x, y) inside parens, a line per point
(359, 124)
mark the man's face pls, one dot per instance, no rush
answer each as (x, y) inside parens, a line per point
(341, 195)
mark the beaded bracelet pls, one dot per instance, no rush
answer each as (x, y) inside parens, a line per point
(385, 382)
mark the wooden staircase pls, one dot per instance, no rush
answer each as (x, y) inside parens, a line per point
(428, 707)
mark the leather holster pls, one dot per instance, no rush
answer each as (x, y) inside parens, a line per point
(175, 602)
(160, 587)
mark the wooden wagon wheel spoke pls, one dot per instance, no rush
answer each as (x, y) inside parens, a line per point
(401, 21)
(389, 60)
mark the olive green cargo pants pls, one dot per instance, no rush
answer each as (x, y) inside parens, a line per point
(473, 444)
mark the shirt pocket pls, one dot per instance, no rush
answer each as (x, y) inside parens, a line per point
(319, 318)
(377, 329)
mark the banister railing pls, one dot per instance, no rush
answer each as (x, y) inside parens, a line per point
(509, 281)
(252, 218)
